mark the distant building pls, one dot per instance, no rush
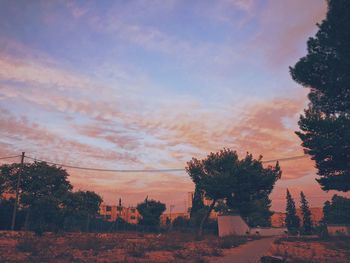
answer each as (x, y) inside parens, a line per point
(112, 212)
(278, 218)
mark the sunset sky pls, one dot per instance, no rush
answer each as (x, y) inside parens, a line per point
(149, 84)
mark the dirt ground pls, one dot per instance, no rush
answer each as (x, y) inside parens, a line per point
(113, 247)
(313, 250)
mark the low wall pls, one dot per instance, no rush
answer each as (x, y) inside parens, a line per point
(232, 225)
(235, 225)
(269, 231)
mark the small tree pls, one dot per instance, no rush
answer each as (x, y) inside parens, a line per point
(150, 211)
(42, 190)
(181, 222)
(337, 211)
(307, 223)
(223, 176)
(80, 207)
(292, 220)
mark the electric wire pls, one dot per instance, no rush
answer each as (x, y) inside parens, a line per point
(165, 170)
(9, 157)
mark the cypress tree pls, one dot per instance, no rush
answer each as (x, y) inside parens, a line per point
(292, 220)
(307, 223)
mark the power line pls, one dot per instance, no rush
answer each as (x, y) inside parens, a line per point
(112, 170)
(9, 157)
(286, 159)
(169, 170)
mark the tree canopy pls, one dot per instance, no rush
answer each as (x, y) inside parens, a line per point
(307, 222)
(337, 211)
(150, 211)
(223, 176)
(325, 70)
(46, 196)
(292, 220)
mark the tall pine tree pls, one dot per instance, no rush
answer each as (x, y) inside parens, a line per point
(307, 223)
(325, 70)
(292, 220)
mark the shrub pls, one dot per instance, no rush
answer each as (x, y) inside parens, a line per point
(136, 250)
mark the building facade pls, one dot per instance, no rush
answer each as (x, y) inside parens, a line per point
(112, 212)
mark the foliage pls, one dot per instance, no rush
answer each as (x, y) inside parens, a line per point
(42, 188)
(46, 197)
(259, 213)
(337, 211)
(307, 223)
(292, 220)
(181, 222)
(150, 210)
(2, 184)
(222, 176)
(6, 210)
(198, 208)
(325, 126)
(80, 207)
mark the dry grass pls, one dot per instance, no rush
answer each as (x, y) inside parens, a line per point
(116, 247)
(313, 250)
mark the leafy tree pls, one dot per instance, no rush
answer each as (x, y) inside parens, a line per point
(292, 220)
(325, 126)
(307, 223)
(337, 211)
(80, 207)
(259, 213)
(150, 211)
(6, 209)
(42, 189)
(222, 176)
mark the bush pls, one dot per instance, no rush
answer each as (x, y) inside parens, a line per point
(136, 250)
(35, 246)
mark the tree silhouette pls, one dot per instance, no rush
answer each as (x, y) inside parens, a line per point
(337, 211)
(42, 189)
(325, 126)
(150, 211)
(79, 207)
(222, 176)
(292, 220)
(307, 223)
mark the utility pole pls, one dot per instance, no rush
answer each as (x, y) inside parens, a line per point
(17, 194)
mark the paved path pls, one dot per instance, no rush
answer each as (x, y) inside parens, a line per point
(250, 252)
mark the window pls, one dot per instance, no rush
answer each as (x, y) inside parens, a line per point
(132, 210)
(108, 208)
(108, 217)
(132, 217)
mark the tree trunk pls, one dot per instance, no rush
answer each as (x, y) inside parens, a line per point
(88, 223)
(200, 230)
(26, 221)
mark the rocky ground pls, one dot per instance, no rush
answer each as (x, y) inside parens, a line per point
(113, 247)
(312, 250)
